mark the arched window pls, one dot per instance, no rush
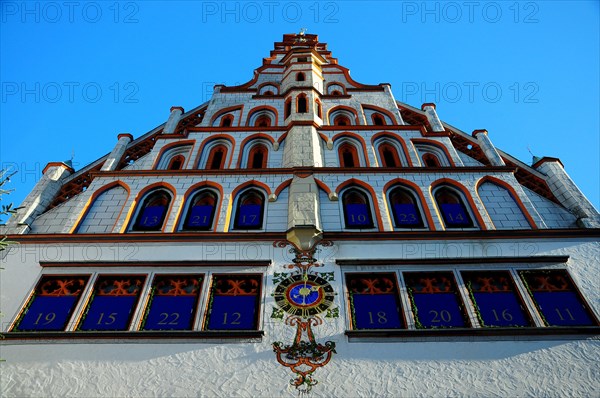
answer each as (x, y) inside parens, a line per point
(341, 121)
(430, 160)
(451, 205)
(318, 109)
(268, 89)
(257, 157)
(341, 117)
(173, 158)
(226, 121)
(378, 120)
(357, 210)
(216, 157)
(152, 211)
(201, 211)
(335, 89)
(288, 107)
(348, 155)
(300, 77)
(389, 155)
(432, 155)
(263, 121)
(176, 163)
(405, 209)
(302, 104)
(249, 210)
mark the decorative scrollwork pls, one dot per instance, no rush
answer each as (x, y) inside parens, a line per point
(62, 287)
(120, 287)
(177, 287)
(304, 355)
(281, 243)
(238, 286)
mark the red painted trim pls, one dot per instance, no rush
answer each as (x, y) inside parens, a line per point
(392, 149)
(362, 184)
(381, 110)
(179, 157)
(547, 159)
(190, 192)
(427, 104)
(252, 153)
(371, 236)
(273, 84)
(359, 139)
(347, 108)
(125, 135)
(303, 95)
(250, 183)
(484, 170)
(432, 157)
(437, 145)
(92, 200)
(223, 111)
(318, 108)
(323, 137)
(512, 193)
(394, 137)
(291, 73)
(282, 137)
(336, 84)
(208, 140)
(457, 185)
(287, 107)
(346, 73)
(248, 139)
(142, 194)
(417, 191)
(475, 132)
(283, 186)
(58, 164)
(171, 146)
(260, 108)
(323, 186)
(177, 107)
(348, 147)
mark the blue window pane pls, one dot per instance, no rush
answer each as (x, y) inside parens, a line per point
(376, 311)
(48, 313)
(52, 304)
(249, 216)
(455, 215)
(406, 214)
(562, 309)
(199, 217)
(171, 313)
(439, 310)
(152, 217)
(357, 215)
(500, 309)
(233, 312)
(109, 313)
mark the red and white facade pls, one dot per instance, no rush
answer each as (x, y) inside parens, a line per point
(301, 232)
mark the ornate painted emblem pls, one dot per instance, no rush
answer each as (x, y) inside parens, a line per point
(303, 296)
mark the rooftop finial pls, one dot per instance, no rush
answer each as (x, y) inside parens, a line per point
(300, 38)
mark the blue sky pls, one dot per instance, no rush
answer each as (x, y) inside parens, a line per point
(74, 75)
